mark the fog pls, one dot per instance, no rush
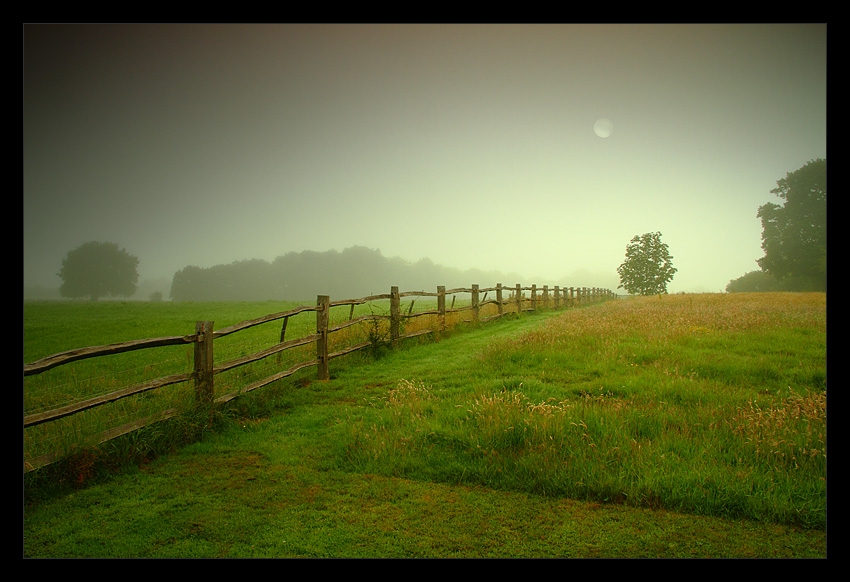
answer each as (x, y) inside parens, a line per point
(474, 146)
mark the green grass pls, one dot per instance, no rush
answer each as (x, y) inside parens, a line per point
(666, 404)
(685, 426)
(52, 327)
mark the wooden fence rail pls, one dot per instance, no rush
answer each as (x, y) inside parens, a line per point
(205, 368)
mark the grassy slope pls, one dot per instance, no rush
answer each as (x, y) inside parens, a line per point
(417, 453)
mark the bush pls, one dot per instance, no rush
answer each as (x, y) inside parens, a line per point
(754, 282)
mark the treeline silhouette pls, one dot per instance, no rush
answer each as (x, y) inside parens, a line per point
(349, 274)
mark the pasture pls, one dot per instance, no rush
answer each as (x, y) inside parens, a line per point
(688, 426)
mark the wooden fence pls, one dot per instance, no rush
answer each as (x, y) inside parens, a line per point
(205, 368)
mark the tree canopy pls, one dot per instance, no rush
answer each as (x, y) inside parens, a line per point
(648, 266)
(97, 269)
(794, 233)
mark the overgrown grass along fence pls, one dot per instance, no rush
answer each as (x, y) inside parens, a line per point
(372, 329)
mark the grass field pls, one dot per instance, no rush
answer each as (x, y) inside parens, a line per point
(53, 327)
(674, 426)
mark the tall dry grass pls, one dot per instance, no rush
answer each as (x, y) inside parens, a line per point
(707, 403)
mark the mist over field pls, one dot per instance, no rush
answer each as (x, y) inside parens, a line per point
(353, 273)
(472, 153)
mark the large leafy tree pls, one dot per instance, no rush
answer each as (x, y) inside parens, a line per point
(794, 233)
(648, 266)
(97, 269)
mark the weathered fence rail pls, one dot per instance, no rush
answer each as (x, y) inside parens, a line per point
(205, 368)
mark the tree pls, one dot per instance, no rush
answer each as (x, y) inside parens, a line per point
(97, 269)
(648, 266)
(794, 234)
(191, 284)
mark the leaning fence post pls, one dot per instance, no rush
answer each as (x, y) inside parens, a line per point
(323, 303)
(282, 336)
(204, 387)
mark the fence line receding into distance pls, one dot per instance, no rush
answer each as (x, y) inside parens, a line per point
(205, 368)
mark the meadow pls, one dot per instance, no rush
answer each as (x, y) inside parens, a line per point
(672, 426)
(53, 327)
(708, 404)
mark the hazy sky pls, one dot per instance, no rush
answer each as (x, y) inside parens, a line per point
(472, 145)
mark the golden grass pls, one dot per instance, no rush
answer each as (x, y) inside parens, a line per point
(716, 403)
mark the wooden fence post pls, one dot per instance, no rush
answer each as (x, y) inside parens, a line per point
(518, 299)
(534, 297)
(323, 302)
(441, 306)
(557, 297)
(204, 386)
(546, 296)
(474, 303)
(499, 299)
(282, 336)
(395, 318)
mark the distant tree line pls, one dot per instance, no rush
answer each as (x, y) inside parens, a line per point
(349, 274)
